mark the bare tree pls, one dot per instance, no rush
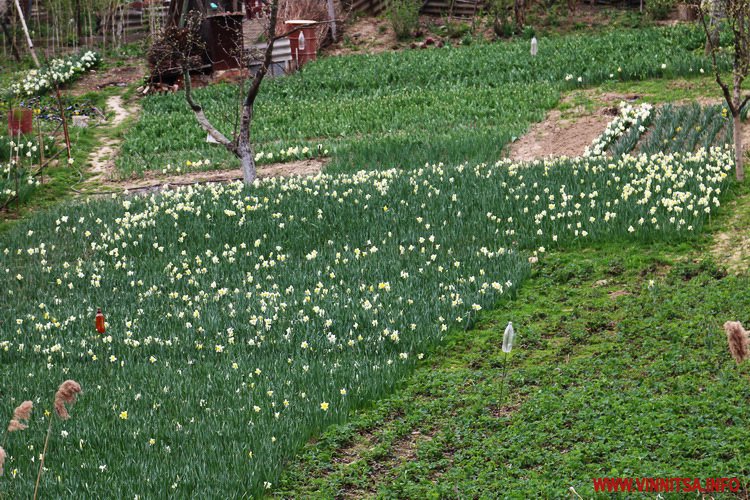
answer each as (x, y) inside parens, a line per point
(738, 20)
(240, 145)
(180, 48)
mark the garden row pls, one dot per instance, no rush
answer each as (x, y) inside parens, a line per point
(405, 109)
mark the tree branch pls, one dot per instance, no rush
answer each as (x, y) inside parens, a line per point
(267, 59)
(744, 102)
(201, 116)
(713, 49)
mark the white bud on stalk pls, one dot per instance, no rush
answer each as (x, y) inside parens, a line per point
(534, 46)
(508, 338)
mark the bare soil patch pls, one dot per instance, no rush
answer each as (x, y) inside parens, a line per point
(365, 35)
(731, 247)
(121, 76)
(558, 136)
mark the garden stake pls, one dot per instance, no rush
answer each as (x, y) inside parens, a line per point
(41, 147)
(64, 121)
(502, 383)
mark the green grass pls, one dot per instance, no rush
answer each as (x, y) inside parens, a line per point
(655, 91)
(599, 385)
(408, 108)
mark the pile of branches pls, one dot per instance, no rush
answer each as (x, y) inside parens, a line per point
(177, 49)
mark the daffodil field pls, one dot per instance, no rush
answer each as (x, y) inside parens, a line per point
(408, 108)
(242, 321)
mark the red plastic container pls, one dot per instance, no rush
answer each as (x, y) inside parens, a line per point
(303, 42)
(20, 121)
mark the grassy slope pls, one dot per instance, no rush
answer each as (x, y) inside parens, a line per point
(639, 384)
(655, 91)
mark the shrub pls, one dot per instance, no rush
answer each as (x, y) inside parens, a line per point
(404, 17)
(660, 9)
(457, 29)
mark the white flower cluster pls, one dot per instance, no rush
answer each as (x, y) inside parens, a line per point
(58, 72)
(15, 171)
(295, 152)
(628, 117)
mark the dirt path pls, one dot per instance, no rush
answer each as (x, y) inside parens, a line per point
(153, 183)
(731, 246)
(130, 72)
(102, 160)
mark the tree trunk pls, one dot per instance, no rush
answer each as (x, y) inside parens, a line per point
(738, 152)
(519, 10)
(332, 18)
(77, 14)
(10, 39)
(737, 118)
(715, 16)
(244, 148)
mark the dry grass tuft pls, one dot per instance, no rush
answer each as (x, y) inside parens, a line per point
(23, 411)
(21, 416)
(738, 340)
(66, 394)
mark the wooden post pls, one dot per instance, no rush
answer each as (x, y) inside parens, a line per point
(41, 148)
(26, 32)
(332, 18)
(64, 121)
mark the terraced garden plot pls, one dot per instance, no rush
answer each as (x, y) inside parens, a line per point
(408, 108)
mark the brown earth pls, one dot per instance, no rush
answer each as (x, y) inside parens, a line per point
(132, 71)
(731, 247)
(558, 136)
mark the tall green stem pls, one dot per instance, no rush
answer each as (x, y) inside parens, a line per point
(44, 456)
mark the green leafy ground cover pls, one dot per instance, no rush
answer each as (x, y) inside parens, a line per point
(409, 108)
(622, 370)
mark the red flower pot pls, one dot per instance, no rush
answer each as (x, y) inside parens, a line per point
(20, 121)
